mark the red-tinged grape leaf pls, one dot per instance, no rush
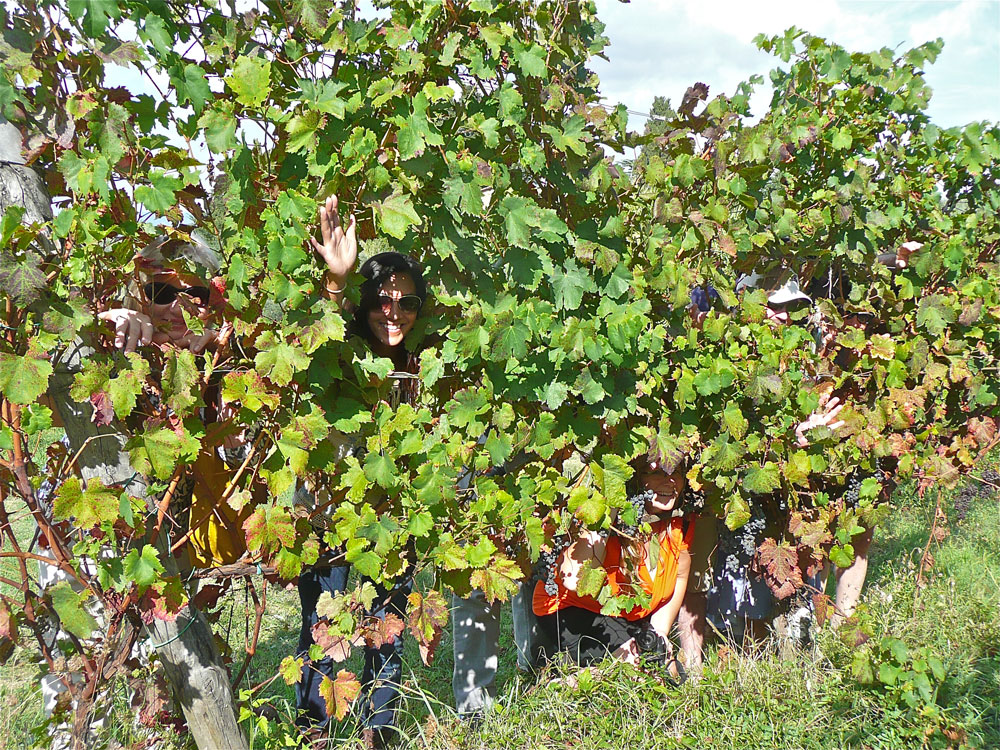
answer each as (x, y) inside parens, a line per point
(152, 701)
(339, 693)
(334, 646)
(426, 617)
(813, 534)
(269, 529)
(498, 581)
(104, 410)
(822, 606)
(379, 631)
(7, 629)
(163, 601)
(780, 563)
(94, 506)
(983, 430)
(290, 669)
(8, 632)
(208, 596)
(21, 278)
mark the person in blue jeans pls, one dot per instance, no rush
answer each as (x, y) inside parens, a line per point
(392, 293)
(383, 668)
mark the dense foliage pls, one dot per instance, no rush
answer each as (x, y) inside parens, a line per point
(471, 135)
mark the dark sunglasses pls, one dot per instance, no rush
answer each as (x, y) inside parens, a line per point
(160, 293)
(409, 303)
(790, 307)
(862, 318)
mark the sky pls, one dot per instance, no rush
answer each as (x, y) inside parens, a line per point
(660, 47)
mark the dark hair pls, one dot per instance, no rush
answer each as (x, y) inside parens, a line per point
(377, 270)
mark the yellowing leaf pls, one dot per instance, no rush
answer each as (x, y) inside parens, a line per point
(427, 615)
(290, 669)
(339, 693)
(250, 80)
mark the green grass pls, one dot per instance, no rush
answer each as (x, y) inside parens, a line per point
(756, 699)
(814, 701)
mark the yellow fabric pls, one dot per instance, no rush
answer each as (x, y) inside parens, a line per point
(221, 539)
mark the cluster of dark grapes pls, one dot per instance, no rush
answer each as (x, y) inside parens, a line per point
(695, 499)
(638, 501)
(545, 568)
(975, 490)
(852, 495)
(853, 492)
(737, 548)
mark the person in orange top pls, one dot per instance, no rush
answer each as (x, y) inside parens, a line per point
(657, 562)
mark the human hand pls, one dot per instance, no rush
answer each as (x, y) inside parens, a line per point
(822, 417)
(697, 316)
(904, 251)
(901, 258)
(339, 248)
(132, 328)
(196, 342)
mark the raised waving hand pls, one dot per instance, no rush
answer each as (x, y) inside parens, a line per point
(339, 248)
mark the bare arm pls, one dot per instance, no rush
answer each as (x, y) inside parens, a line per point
(588, 546)
(339, 248)
(663, 619)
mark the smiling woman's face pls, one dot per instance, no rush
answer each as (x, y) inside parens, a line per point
(388, 321)
(666, 488)
(169, 317)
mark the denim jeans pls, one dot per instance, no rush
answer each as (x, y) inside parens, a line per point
(476, 631)
(383, 668)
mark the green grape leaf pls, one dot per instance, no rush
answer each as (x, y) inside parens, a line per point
(23, 379)
(380, 469)
(278, 361)
(70, 606)
(531, 60)
(570, 284)
(94, 15)
(587, 504)
(397, 215)
(157, 450)
(193, 87)
(302, 131)
(142, 568)
(762, 479)
(842, 555)
(250, 80)
(220, 129)
(181, 381)
(95, 506)
(592, 578)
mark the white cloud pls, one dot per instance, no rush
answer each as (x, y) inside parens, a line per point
(660, 47)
